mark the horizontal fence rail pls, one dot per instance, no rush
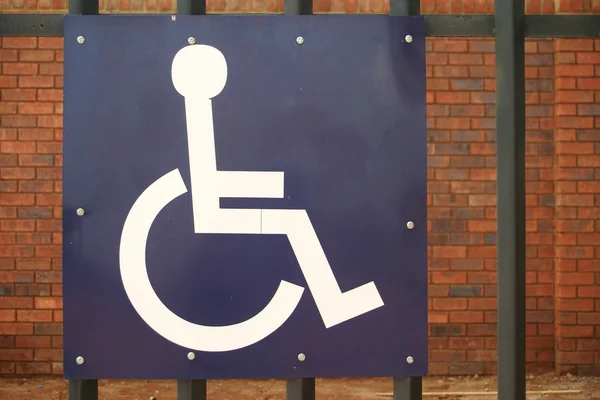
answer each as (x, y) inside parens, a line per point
(510, 27)
(437, 25)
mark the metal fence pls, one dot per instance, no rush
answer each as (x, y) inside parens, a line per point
(509, 26)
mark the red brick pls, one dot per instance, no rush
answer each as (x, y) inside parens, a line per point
(449, 304)
(43, 328)
(33, 264)
(34, 316)
(48, 302)
(16, 302)
(18, 121)
(33, 341)
(7, 316)
(50, 42)
(51, 69)
(19, 42)
(33, 368)
(19, 68)
(16, 354)
(17, 147)
(49, 95)
(36, 55)
(49, 147)
(48, 355)
(18, 328)
(8, 81)
(36, 160)
(36, 81)
(574, 70)
(36, 108)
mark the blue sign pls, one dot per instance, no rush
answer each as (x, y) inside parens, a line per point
(244, 197)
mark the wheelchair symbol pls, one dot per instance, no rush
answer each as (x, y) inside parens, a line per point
(199, 73)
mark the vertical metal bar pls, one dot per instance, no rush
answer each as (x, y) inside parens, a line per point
(405, 7)
(407, 388)
(85, 389)
(302, 388)
(83, 7)
(191, 389)
(510, 152)
(191, 7)
(297, 7)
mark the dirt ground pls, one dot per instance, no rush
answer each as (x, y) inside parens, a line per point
(588, 388)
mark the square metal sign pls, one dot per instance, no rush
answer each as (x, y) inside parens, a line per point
(244, 197)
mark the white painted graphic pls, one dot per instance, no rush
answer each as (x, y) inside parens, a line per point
(199, 73)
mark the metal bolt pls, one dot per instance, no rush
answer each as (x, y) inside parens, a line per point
(80, 39)
(79, 360)
(192, 40)
(301, 357)
(299, 40)
(410, 360)
(80, 212)
(191, 356)
(408, 38)
(410, 225)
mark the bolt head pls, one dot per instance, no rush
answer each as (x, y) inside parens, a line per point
(299, 40)
(79, 360)
(301, 357)
(408, 38)
(410, 225)
(191, 356)
(80, 212)
(192, 40)
(80, 39)
(410, 360)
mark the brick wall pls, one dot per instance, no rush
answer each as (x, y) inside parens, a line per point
(563, 191)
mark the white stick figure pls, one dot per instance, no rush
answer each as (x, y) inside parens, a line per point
(199, 73)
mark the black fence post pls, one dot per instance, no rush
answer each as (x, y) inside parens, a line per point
(302, 388)
(83, 7)
(510, 153)
(83, 389)
(297, 7)
(191, 389)
(407, 388)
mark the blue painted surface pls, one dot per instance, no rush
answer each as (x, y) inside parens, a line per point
(343, 116)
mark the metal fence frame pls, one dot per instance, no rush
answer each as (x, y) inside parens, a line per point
(510, 26)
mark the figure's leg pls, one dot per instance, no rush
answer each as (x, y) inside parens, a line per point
(334, 306)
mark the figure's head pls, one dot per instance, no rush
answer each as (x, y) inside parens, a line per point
(199, 71)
